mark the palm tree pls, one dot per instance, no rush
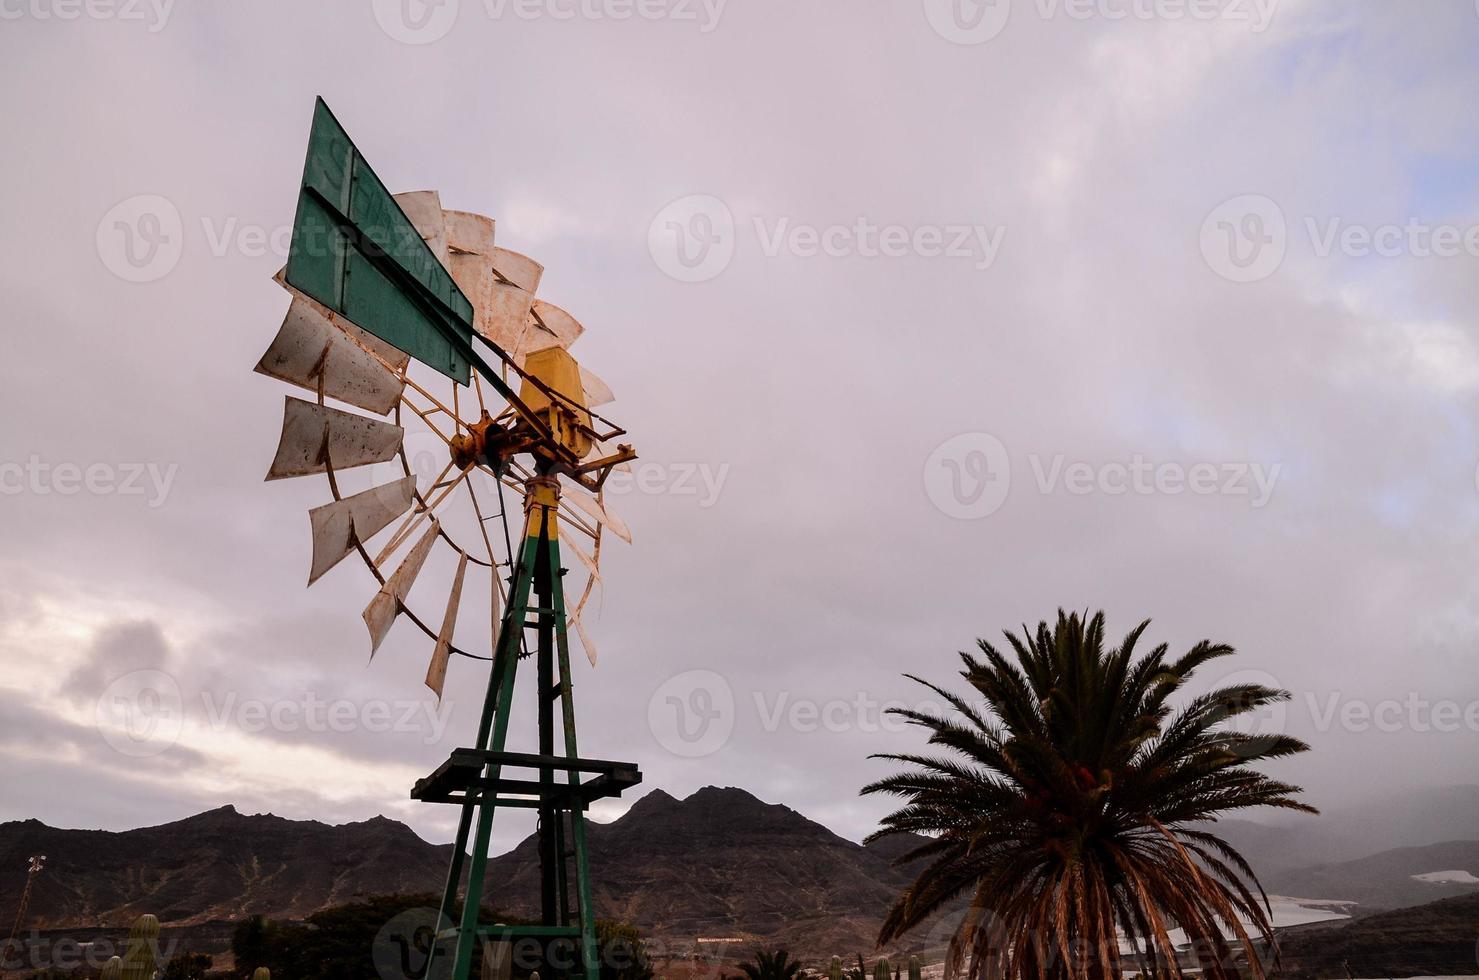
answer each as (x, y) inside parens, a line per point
(771, 966)
(1072, 811)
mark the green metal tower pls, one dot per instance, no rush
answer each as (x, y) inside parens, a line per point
(552, 781)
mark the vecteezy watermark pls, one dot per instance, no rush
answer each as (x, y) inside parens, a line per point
(692, 714)
(425, 21)
(778, 710)
(1412, 713)
(1143, 477)
(310, 713)
(143, 713)
(42, 478)
(969, 476)
(651, 478)
(41, 954)
(152, 13)
(403, 945)
(978, 21)
(694, 239)
(703, 13)
(1247, 238)
(1260, 716)
(416, 21)
(141, 238)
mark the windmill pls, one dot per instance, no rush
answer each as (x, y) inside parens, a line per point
(34, 865)
(392, 299)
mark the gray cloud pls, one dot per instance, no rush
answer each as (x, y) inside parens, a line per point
(823, 569)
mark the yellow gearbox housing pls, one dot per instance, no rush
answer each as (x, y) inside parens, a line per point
(566, 416)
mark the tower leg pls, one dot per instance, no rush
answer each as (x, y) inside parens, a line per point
(588, 950)
(536, 601)
(493, 735)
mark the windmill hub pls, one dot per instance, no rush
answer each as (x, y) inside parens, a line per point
(483, 442)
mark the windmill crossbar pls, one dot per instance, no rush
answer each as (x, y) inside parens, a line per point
(460, 779)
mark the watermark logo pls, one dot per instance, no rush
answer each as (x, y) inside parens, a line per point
(702, 481)
(141, 713)
(705, 13)
(142, 238)
(1240, 713)
(968, 476)
(692, 714)
(978, 21)
(968, 21)
(402, 948)
(865, 239)
(1245, 238)
(42, 478)
(153, 13)
(692, 239)
(1144, 477)
(416, 21)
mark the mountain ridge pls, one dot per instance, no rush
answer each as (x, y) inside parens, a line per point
(719, 863)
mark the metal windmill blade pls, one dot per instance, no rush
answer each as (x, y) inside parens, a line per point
(313, 352)
(316, 437)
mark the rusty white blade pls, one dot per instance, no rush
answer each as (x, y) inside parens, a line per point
(596, 391)
(588, 561)
(468, 232)
(382, 610)
(436, 671)
(561, 325)
(613, 522)
(394, 358)
(505, 317)
(585, 639)
(536, 337)
(518, 269)
(424, 208)
(313, 434)
(500, 311)
(310, 348)
(600, 512)
(339, 525)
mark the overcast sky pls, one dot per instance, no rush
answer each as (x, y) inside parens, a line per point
(926, 319)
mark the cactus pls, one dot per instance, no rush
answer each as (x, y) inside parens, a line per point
(882, 971)
(834, 969)
(914, 970)
(143, 947)
(113, 969)
(261, 973)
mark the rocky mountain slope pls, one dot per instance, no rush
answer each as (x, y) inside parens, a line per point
(1391, 879)
(220, 864)
(1436, 939)
(721, 864)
